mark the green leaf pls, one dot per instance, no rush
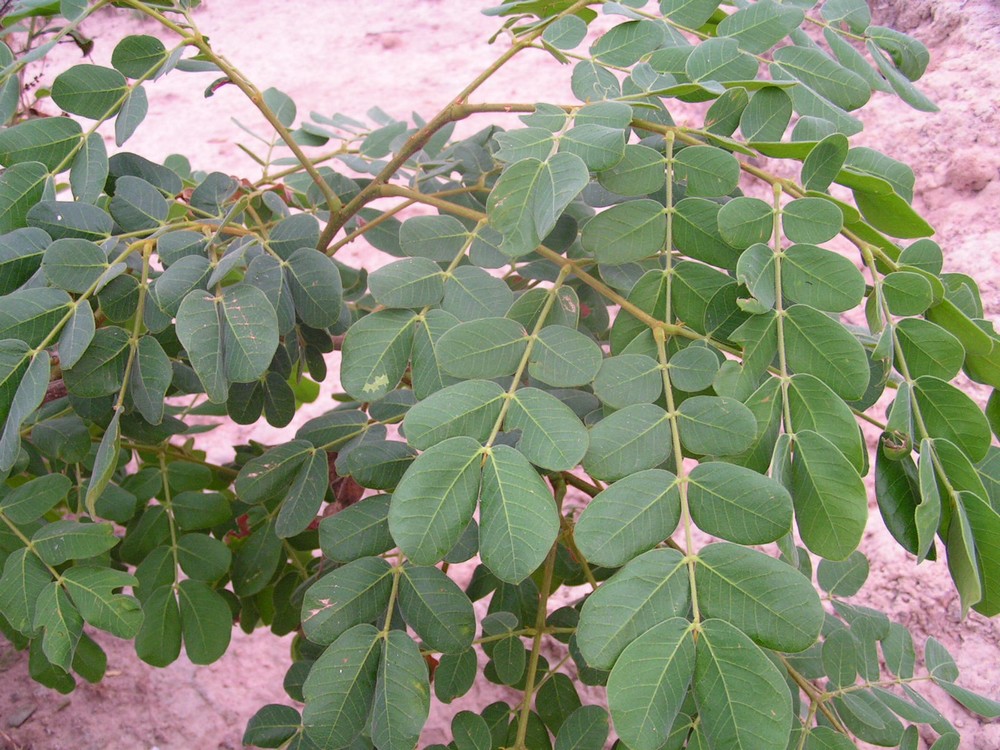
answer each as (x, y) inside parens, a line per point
(411, 282)
(76, 335)
(629, 379)
(631, 516)
(690, 13)
(438, 238)
(89, 170)
(149, 379)
(402, 694)
(892, 214)
(640, 172)
(721, 60)
(737, 504)
(64, 540)
(627, 232)
(811, 220)
(518, 519)
(61, 623)
(823, 76)
(268, 476)
(158, 641)
(716, 425)
(484, 348)
(92, 590)
(435, 500)
(840, 658)
(200, 330)
(649, 683)
(929, 349)
(203, 558)
(758, 27)
(625, 43)
(340, 688)
(821, 278)
(831, 503)
(523, 143)
(907, 293)
(767, 115)
(819, 346)
(29, 315)
(584, 729)
(648, 590)
(101, 369)
(599, 147)
(91, 91)
(468, 408)
(813, 406)
(272, 726)
(767, 599)
(696, 234)
(71, 219)
(454, 675)
(281, 104)
(375, 353)
(349, 595)
(978, 704)
(105, 462)
(361, 530)
(305, 496)
(630, 440)
(27, 399)
(985, 523)
(33, 499)
(899, 82)
(23, 580)
(133, 111)
(843, 578)
(437, 609)
(563, 357)
(709, 171)
(529, 197)
(962, 556)
(73, 264)
(552, 436)
(742, 699)
(948, 413)
(138, 55)
(556, 700)
(471, 293)
(823, 164)
(137, 205)
(21, 187)
(316, 287)
(48, 140)
(746, 221)
(591, 81)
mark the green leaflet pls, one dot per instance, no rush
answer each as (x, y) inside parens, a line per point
(768, 600)
(529, 197)
(821, 278)
(340, 688)
(305, 496)
(91, 588)
(435, 499)
(484, 348)
(468, 408)
(316, 287)
(91, 91)
(402, 694)
(630, 440)
(738, 504)
(563, 357)
(518, 521)
(437, 610)
(648, 590)
(375, 353)
(552, 436)
(629, 517)
(411, 282)
(649, 682)
(627, 232)
(716, 424)
(48, 140)
(350, 595)
(727, 663)
(819, 346)
(831, 504)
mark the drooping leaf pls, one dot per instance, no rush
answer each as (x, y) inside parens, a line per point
(350, 595)
(402, 694)
(437, 610)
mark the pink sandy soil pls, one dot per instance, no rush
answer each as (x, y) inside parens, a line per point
(411, 56)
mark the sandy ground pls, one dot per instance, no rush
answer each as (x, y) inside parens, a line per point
(411, 57)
